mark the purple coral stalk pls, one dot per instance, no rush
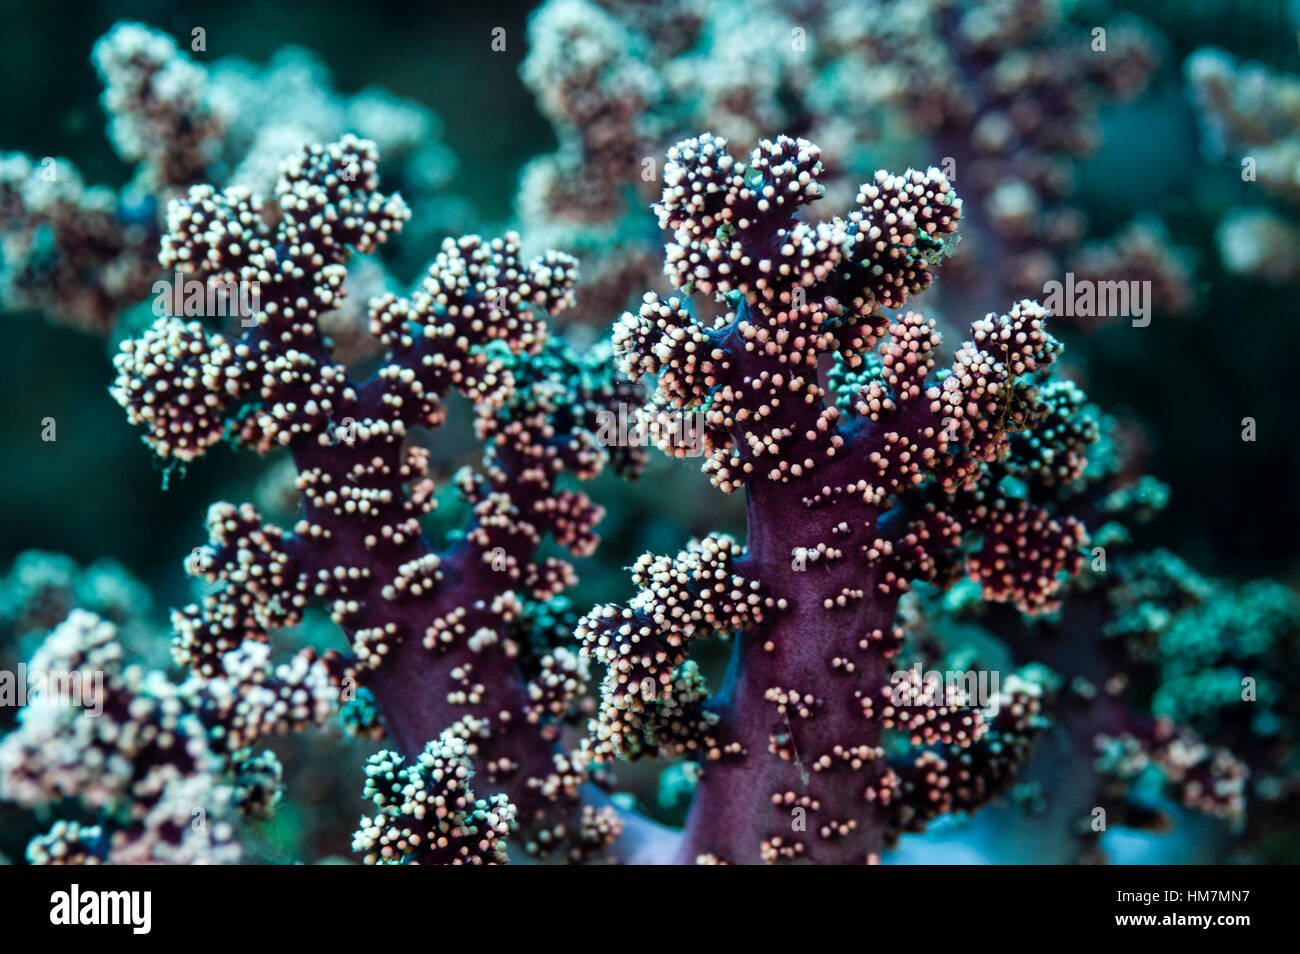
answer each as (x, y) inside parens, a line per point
(895, 476)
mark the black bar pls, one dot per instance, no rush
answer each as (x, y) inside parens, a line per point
(342, 903)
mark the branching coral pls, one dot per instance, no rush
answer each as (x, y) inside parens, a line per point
(37, 594)
(433, 633)
(40, 592)
(913, 499)
(1159, 682)
(440, 820)
(1009, 93)
(1210, 657)
(895, 477)
(86, 254)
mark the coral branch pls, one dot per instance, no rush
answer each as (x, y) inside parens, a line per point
(431, 631)
(897, 479)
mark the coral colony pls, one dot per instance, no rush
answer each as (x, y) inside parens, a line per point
(936, 622)
(879, 486)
